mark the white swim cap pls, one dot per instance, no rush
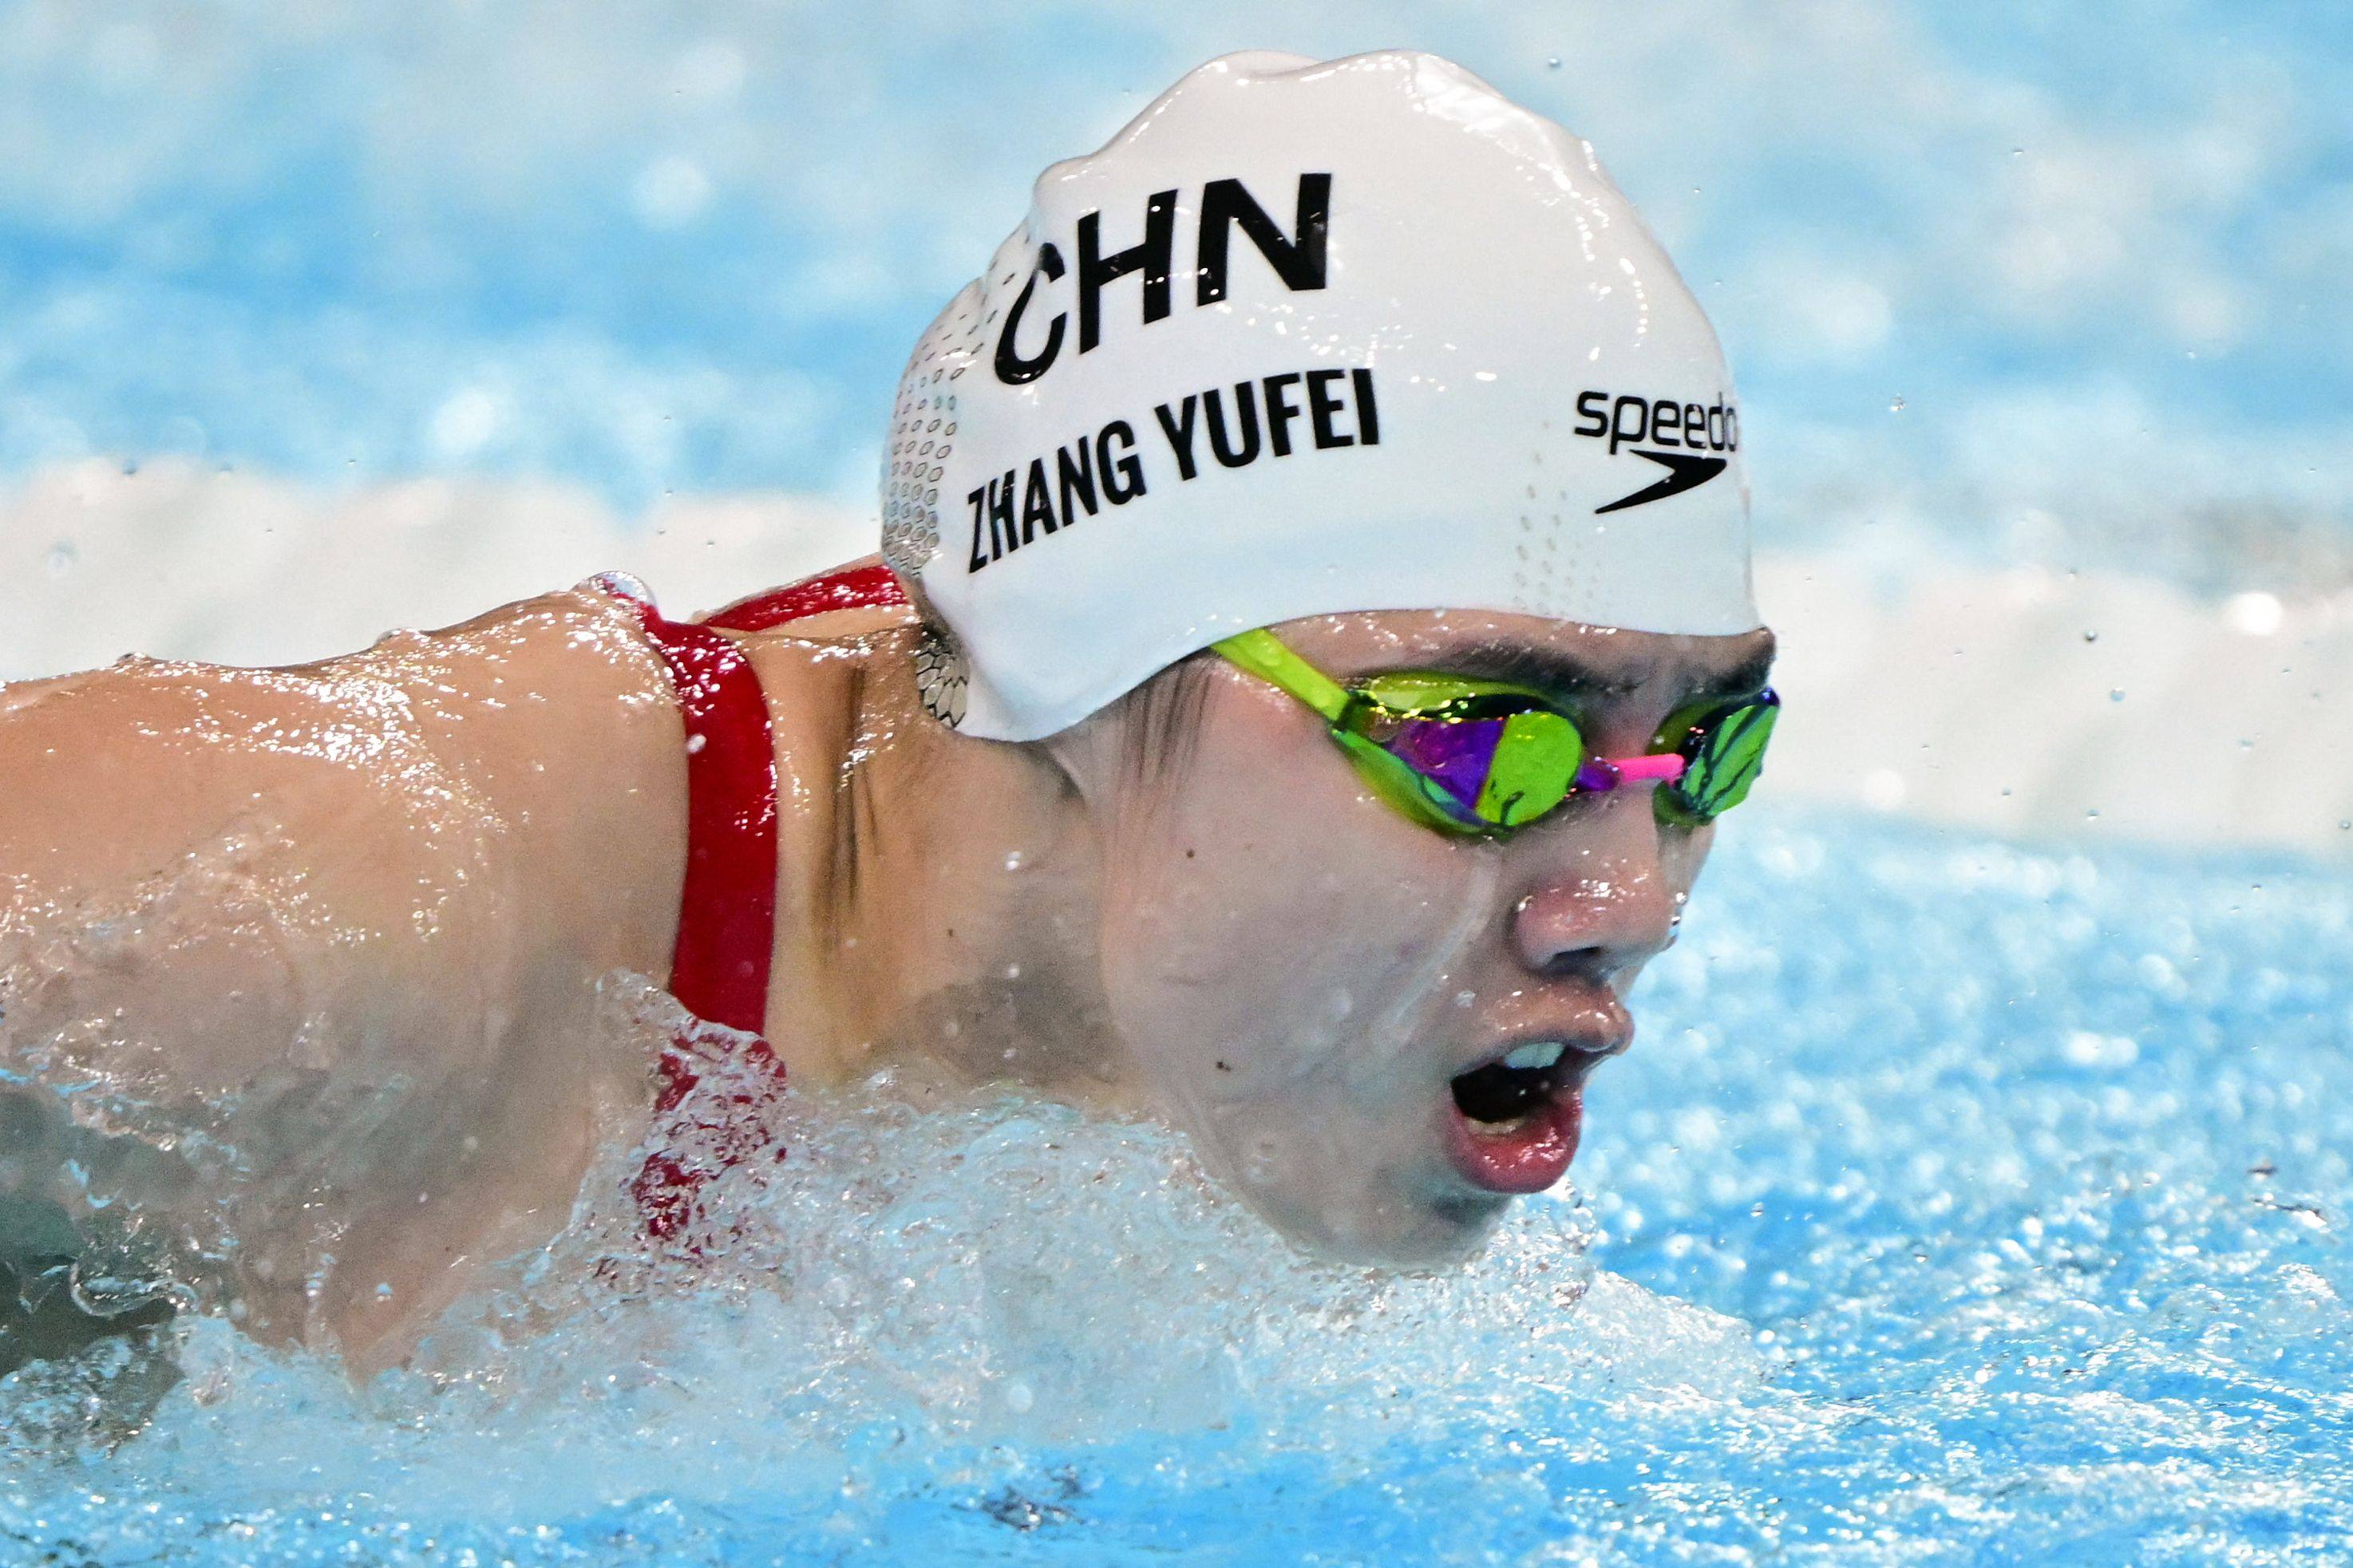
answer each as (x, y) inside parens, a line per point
(1302, 338)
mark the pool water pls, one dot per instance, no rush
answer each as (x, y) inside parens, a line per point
(1962, 1201)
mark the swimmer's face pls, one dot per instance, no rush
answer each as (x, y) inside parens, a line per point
(1315, 984)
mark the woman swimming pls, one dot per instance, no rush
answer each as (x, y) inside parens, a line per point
(1312, 643)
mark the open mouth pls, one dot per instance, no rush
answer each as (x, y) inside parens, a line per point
(1513, 1123)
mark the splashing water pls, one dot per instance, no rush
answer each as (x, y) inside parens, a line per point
(1963, 1201)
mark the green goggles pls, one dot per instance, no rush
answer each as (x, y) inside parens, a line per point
(1464, 755)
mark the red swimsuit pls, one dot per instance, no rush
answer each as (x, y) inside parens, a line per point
(727, 908)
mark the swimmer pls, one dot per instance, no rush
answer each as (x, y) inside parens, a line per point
(1311, 645)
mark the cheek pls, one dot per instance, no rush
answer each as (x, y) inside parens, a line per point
(1267, 914)
(1682, 854)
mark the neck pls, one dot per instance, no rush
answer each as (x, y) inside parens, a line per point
(936, 896)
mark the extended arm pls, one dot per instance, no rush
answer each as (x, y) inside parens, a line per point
(308, 957)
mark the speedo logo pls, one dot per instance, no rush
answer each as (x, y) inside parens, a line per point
(1675, 435)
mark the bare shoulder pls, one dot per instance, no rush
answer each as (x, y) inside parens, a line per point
(444, 740)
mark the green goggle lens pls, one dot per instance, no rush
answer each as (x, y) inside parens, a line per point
(1722, 744)
(1480, 757)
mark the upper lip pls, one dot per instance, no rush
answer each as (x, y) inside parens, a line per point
(1588, 1041)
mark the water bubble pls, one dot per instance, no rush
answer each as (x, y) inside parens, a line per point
(1895, 406)
(1552, 62)
(61, 557)
(2090, 636)
(2117, 694)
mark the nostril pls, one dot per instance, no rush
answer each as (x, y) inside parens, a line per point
(1596, 964)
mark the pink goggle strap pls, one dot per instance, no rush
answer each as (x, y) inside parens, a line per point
(1608, 772)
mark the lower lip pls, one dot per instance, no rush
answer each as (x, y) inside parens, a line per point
(1529, 1158)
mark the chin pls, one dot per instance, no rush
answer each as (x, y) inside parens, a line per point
(1342, 1190)
(1418, 1232)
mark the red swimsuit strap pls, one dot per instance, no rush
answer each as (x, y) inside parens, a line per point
(850, 588)
(727, 905)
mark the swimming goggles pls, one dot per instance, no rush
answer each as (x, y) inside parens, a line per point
(1471, 756)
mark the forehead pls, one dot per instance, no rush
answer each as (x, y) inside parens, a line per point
(1595, 660)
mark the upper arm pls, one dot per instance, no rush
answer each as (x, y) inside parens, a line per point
(308, 944)
(201, 856)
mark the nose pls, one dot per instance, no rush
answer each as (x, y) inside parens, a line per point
(1595, 902)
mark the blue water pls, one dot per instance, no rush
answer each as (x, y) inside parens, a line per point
(2096, 251)
(1961, 1202)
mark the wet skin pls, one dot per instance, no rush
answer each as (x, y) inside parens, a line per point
(372, 900)
(1253, 944)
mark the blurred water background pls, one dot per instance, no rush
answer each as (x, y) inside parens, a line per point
(422, 306)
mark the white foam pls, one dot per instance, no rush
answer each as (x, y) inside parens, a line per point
(183, 561)
(947, 1281)
(2032, 702)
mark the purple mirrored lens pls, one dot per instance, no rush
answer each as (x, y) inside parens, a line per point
(1456, 753)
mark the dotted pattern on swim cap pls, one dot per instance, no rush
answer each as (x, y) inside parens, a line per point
(922, 434)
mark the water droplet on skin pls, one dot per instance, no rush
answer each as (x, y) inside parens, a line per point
(1262, 1162)
(694, 744)
(1552, 62)
(2090, 636)
(1013, 861)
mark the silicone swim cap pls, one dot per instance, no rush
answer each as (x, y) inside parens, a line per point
(1302, 338)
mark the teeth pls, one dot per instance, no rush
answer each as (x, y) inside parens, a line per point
(1541, 1055)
